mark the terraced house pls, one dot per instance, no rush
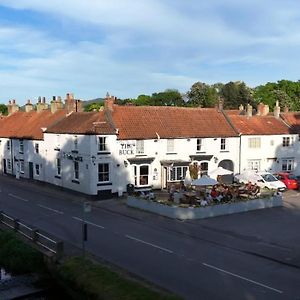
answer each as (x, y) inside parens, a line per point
(100, 153)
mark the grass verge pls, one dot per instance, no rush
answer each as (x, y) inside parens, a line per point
(93, 281)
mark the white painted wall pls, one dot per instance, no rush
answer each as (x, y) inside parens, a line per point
(270, 153)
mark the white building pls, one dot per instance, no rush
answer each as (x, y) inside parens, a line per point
(267, 141)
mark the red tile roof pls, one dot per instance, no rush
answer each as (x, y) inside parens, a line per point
(293, 119)
(28, 125)
(145, 122)
(259, 125)
(84, 123)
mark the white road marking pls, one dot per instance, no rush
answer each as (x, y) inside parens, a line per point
(17, 197)
(243, 278)
(87, 222)
(51, 209)
(149, 244)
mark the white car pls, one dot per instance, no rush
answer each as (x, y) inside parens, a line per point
(262, 179)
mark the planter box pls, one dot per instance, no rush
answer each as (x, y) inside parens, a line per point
(190, 213)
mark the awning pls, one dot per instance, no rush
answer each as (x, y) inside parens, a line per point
(141, 160)
(201, 157)
(173, 162)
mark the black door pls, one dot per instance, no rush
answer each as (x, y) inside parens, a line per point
(30, 170)
(4, 166)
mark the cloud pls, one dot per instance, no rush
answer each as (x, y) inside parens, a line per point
(131, 47)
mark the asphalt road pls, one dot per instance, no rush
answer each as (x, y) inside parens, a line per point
(254, 255)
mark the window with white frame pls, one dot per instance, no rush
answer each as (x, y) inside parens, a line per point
(102, 143)
(103, 172)
(21, 146)
(76, 170)
(75, 142)
(37, 170)
(177, 173)
(36, 147)
(58, 166)
(140, 147)
(286, 141)
(287, 164)
(254, 142)
(254, 164)
(22, 166)
(8, 145)
(8, 164)
(223, 144)
(200, 146)
(170, 145)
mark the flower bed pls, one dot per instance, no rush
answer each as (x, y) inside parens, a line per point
(197, 212)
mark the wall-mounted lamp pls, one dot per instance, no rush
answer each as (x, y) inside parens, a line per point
(125, 163)
(216, 159)
(118, 165)
(93, 158)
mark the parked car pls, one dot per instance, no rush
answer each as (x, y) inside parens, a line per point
(290, 180)
(263, 180)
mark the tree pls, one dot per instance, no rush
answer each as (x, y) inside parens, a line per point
(93, 107)
(169, 97)
(235, 94)
(3, 109)
(202, 94)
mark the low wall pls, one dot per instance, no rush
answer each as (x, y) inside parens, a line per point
(183, 213)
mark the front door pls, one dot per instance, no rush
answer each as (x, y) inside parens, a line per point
(4, 166)
(30, 170)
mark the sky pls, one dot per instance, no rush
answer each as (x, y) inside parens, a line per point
(133, 47)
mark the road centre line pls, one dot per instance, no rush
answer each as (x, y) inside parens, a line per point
(243, 278)
(149, 244)
(17, 197)
(87, 222)
(51, 209)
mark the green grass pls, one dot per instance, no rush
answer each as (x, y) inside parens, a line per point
(94, 281)
(17, 257)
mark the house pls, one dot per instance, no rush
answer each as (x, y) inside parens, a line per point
(23, 152)
(267, 142)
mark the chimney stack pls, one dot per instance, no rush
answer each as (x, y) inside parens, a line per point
(241, 107)
(286, 109)
(109, 102)
(41, 104)
(28, 106)
(220, 104)
(277, 110)
(56, 104)
(249, 110)
(12, 107)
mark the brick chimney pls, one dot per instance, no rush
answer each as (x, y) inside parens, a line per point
(220, 104)
(56, 104)
(286, 109)
(41, 104)
(28, 106)
(249, 110)
(12, 107)
(72, 104)
(241, 107)
(277, 110)
(109, 102)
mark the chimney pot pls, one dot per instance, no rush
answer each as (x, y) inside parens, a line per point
(53, 98)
